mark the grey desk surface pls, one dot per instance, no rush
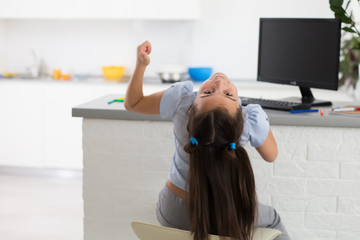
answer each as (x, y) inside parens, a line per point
(100, 109)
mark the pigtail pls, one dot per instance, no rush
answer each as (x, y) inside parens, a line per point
(190, 148)
(230, 150)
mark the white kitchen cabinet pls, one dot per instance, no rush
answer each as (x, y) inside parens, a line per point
(36, 126)
(20, 125)
(18, 9)
(165, 9)
(94, 9)
(100, 9)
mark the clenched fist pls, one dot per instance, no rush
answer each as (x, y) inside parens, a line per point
(143, 52)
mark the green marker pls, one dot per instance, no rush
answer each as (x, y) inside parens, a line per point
(120, 99)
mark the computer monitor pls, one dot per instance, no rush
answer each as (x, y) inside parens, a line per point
(302, 52)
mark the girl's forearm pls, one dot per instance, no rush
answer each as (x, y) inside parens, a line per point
(268, 150)
(134, 92)
(135, 101)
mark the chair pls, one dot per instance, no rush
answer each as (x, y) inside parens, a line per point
(146, 231)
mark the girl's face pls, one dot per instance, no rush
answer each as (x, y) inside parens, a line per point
(217, 91)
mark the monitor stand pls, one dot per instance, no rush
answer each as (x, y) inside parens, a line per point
(308, 98)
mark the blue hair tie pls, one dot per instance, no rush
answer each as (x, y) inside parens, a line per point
(193, 141)
(232, 146)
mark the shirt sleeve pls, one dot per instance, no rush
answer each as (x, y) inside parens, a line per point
(256, 127)
(173, 97)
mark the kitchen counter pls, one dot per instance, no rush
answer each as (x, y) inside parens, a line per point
(313, 184)
(99, 108)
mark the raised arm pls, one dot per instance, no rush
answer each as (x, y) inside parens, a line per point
(135, 101)
(268, 150)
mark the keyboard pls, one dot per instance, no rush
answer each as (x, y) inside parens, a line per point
(275, 104)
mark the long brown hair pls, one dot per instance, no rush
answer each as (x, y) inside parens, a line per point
(222, 198)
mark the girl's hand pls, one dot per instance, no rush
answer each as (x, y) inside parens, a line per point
(143, 52)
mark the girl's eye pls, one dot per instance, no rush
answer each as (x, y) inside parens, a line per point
(228, 94)
(207, 92)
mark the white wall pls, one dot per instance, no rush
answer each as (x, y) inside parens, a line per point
(226, 37)
(3, 54)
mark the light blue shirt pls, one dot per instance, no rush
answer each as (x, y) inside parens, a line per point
(175, 104)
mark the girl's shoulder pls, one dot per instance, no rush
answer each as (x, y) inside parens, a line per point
(256, 124)
(183, 87)
(254, 113)
(252, 110)
(176, 96)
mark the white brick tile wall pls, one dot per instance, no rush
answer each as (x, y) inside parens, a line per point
(290, 134)
(158, 146)
(289, 203)
(350, 137)
(264, 198)
(347, 235)
(158, 129)
(292, 219)
(253, 154)
(344, 188)
(349, 153)
(306, 169)
(262, 168)
(311, 234)
(97, 143)
(124, 162)
(144, 180)
(320, 204)
(350, 171)
(276, 185)
(313, 184)
(338, 222)
(319, 135)
(126, 145)
(113, 128)
(157, 162)
(349, 206)
(309, 204)
(323, 152)
(292, 151)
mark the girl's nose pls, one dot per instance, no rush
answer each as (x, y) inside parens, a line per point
(220, 82)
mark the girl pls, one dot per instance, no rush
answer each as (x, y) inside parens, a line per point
(211, 185)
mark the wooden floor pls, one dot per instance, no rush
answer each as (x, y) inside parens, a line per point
(40, 208)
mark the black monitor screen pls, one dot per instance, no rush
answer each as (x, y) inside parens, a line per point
(302, 52)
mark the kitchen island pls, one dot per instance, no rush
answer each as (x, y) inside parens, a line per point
(313, 183)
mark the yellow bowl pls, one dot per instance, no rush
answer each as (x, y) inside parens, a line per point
(9, 74)
(113, 72)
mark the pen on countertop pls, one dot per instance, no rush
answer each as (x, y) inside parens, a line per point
(304, 110)
(347, 109)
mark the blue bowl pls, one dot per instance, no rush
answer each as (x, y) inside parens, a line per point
(200, 73)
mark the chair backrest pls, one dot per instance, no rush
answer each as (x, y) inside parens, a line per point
(146, 231)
